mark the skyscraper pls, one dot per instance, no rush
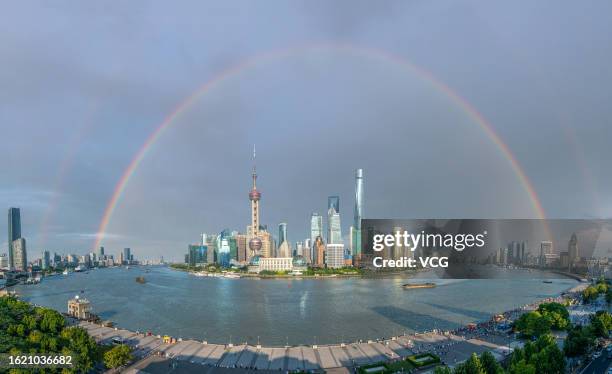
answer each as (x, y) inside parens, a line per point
(334, 231)
(319, 252)
(282, 233)
(284, 250)
(46, 259)
(333, 202)
(241, 243)
(14, 233)
(572, 250)
(127, 257)
(358, 213)
(223, 249)
(316, 226)
(358, 198)
(20, 256)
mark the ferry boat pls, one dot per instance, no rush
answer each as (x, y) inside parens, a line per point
(31, 280)
(409, 286)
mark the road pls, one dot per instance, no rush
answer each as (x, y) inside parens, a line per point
(598, 366)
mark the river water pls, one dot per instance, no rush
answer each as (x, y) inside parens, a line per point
(285, 311)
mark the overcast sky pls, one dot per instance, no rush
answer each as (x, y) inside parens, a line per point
(83, 84)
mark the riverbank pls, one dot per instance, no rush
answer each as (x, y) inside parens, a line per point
(357, 273)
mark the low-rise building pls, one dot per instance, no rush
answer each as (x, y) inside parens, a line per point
(334, 255)
(276, 264)
(79, 308)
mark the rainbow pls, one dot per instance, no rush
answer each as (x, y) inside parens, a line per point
(284, 53)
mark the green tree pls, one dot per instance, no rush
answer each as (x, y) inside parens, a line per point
(601, 324)
(490, 364)
(578, 342)
(82, 346)
(442, 370)
(590, 294)
(602, 287)
(542, 356)
(118, 356)
(471, 366)
(558, 314)
(51, 321)
(533, 324)
(521, 367)
(549, 360)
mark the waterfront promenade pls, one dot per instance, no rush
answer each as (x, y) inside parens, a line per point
(155, 356)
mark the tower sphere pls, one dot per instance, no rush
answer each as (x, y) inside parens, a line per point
(254, 195)
(255, 244)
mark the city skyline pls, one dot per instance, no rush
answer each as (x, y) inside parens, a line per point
(438, 120)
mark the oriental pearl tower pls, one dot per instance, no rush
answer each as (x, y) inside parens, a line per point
(255, 243)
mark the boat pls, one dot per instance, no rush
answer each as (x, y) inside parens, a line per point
(410, 286)
(141, 280)
(78, 269)
(32, 280)
(232, 276)
(65, 272)
(547, 281)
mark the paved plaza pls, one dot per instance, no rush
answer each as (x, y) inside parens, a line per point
(155, 356)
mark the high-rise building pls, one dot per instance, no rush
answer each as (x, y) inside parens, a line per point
(299, 249)
(210, 241)
(316, 226)
(282, 232)
(284, 250)
(333, 202)
(101, 253)
(20, 256)
(357, 214)
(572, 250)
(307, 251)
(547, 257)
(233, 244)
(14, 233)
(196, 254)
(224, 251)
(267, 244)
(46, 260)
(319, 252)
(546, 248)
(316, 229)
(334, 231)
(4, 262)
(127, 257)
(241, 243)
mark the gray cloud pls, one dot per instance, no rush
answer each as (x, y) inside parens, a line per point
(84, 84)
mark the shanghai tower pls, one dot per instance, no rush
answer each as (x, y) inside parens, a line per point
(358, 212)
